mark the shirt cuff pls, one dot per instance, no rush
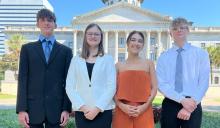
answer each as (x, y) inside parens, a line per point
(180, 98)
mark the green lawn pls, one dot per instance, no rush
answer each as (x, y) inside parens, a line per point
(158, 100)
(7, 96)
(9, 120)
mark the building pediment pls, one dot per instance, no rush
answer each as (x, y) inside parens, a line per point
(121, 13)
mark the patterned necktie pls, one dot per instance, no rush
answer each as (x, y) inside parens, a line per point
(179, 72)
(47, 50)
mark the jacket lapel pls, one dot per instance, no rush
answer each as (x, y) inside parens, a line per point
(55, 49)
(96, 65)
(40, 51)
(84, 68)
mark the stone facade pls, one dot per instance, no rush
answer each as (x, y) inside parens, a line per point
(116, 21)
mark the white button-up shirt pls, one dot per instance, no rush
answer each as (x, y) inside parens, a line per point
(196, 70)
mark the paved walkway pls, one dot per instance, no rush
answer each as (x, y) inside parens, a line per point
(7, 103)
(211, 108)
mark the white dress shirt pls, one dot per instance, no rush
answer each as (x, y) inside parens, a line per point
(196, 70)
(103, 83)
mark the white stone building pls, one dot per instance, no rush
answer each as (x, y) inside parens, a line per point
(119, 18)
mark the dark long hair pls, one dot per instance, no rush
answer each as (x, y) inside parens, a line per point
(132, 33)
(85, 49)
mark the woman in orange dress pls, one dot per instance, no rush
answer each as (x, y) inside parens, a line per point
(136, 87)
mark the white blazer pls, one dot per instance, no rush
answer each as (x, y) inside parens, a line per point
(103, 83)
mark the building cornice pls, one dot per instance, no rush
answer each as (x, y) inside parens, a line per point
(123, 27)
(195, 29)
(35, 29)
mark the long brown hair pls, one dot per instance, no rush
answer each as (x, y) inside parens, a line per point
(85, 49)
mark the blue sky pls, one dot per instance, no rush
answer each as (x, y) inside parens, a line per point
(201, 12)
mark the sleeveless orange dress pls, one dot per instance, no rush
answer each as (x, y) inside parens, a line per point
(134, 87)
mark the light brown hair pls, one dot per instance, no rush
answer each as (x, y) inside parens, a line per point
(85, 49)
(179, 21)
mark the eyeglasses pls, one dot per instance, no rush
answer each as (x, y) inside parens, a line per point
(136, 40)
(181, 28)
(89, 34)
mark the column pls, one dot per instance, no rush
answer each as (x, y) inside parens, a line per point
(116, 46)
(126, 47)
(143, 52)
(148, 44)
(169, 40)
(159, 44)
(75, 43)
(106, 42)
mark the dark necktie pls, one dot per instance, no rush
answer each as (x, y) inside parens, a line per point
(47, 50)
(179, 72)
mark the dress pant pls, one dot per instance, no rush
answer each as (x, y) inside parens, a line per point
(45, 124)
(102, 120)
(169, 118)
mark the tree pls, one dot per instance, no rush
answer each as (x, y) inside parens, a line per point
(216, 58)
(3, 67)
(11, 59)
(214, 55)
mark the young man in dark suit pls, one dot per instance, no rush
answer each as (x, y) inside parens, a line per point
(41, 99)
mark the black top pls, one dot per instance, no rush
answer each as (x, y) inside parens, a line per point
(90, 68)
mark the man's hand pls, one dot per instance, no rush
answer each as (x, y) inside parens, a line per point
(189, 104)
(183, 114)
(93, 112)
(64, 118)
(23, 118)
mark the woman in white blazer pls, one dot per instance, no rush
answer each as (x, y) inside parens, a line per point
(91, 82)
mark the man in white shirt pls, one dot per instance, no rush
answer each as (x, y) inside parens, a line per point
(183, 78)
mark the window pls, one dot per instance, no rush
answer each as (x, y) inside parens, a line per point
(216, 80)
(121, 57)
(133, 2)
(122, 42)
(203, 45)
(153, 56)
(154, 48)
(152, 41)
(70, 44)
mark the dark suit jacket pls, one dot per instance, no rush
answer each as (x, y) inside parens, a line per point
(41, 86)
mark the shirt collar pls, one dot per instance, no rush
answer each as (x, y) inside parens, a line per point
(186, 46)
(51, 38)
